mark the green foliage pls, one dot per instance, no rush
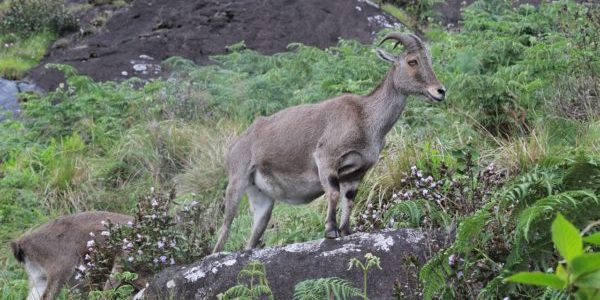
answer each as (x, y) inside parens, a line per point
(121, 292)
(247, 84)
(28, 17)
(370, 262)
(325, 288)
(336, 288)
(579, 273)
(511, 61)
(522, 94)
(18, 55)
(515, 238)
(252, 284)
(152, 241)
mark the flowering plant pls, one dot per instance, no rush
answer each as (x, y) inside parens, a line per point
(155, 239)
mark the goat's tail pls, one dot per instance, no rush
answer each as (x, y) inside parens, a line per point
(18, 252)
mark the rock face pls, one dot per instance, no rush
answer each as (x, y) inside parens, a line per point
(197, 29)
(400, 251)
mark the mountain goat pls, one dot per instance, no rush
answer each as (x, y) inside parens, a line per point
(305, 151)
(52, 252)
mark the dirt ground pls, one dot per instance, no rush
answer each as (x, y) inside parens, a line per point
(136, 38)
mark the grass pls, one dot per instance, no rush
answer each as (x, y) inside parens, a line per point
(18, 55)
(101, 145)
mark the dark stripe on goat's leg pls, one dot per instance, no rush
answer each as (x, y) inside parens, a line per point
(348, 190)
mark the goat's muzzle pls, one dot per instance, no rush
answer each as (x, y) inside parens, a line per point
(436, 93)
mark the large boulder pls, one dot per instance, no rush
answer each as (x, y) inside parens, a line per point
(401, 253)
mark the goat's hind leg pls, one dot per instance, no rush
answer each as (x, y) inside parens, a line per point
(233, 195)
(262, 206)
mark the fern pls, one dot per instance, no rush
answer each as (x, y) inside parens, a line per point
(570, 201)
(256, 287)
(524, 210)
(325, 288)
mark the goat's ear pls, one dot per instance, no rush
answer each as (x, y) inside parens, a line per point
(385, 56)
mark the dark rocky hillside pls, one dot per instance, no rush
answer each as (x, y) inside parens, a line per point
(136, 38)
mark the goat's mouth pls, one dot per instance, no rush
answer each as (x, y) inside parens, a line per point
(434, 98)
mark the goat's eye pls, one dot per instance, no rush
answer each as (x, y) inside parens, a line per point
(413, 62)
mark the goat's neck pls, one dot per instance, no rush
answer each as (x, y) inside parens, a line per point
(383, 107)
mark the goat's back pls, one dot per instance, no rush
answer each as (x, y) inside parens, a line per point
(63, 241)
(287, 139)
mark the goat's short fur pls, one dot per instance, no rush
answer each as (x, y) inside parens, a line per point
(51, 252)
(305, 151)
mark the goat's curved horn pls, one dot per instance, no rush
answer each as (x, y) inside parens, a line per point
(410, 41)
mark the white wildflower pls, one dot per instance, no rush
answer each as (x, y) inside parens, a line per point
(105, 233)
(160, 244)
(91, 243)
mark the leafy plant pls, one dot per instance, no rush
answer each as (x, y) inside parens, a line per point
(336, 288)
(120, 292)
(370, 262)
(578, 272)
(325, 288)
(27, 17)
(508, 233)
(152, 242)
(252, 284)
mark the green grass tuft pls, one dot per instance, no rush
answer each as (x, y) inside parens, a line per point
(19, 55)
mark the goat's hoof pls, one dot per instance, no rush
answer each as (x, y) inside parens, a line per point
(345, 231)
(332, 234)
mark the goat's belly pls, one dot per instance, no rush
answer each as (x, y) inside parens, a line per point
(290, 189)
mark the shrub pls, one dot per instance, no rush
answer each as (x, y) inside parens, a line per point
(27, 17)
(155, 240)
(578, 273)
(432, 200)
(509, 233)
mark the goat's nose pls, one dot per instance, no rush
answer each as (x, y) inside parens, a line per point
(441, 91)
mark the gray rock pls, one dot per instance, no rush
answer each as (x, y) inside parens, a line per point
(400, 252)
(9, 90)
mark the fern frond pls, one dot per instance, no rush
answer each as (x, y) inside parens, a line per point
(582, 175)
(237, 291)
(433, 275)
(261, 290)
(570, 201)
(325, 288)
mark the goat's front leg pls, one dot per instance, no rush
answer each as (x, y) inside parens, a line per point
(348, 191)
(331, 185)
